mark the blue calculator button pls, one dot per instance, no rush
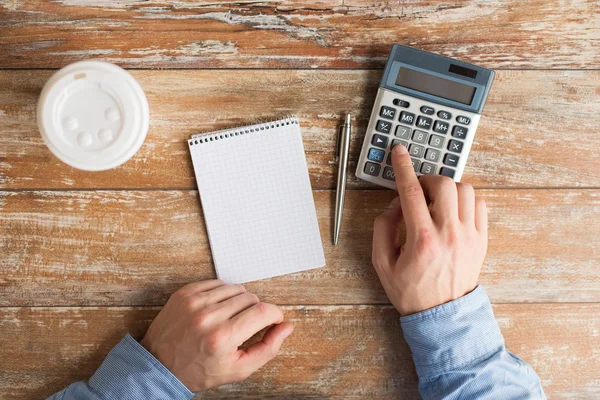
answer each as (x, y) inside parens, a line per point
(376, 155)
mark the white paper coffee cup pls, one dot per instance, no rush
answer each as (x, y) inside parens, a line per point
(93, 115)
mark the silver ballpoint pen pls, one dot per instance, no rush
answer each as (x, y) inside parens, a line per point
(343, 147)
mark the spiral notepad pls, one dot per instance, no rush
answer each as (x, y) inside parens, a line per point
(257, 201)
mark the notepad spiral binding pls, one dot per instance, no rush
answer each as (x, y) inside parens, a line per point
(201, 138)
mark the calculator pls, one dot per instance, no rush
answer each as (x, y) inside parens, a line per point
(429, 103)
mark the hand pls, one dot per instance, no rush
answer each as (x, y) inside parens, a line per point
(445, 247)
(198, 333)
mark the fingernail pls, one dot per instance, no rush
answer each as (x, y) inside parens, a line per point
(400, 149)
(394, 202)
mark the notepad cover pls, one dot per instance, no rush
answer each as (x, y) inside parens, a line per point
(257, 201)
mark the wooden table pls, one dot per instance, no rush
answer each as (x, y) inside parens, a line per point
(86, 257)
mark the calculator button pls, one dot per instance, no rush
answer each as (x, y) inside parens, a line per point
(420, 136)
(455, 146)
(388, 174)
(436, 141)
(424, 122)
(387, 112)
(416, 164)
(461, 119)
(459, 132)
(376, 155)
(401, 103)
(428, 168)
(451, 160)
(444, 115)
(379, 141)
(403, 132)
(433, 155)
(388, 160)
(416, 151)
(427, 110)
(396, 142)
(372, 169)
(440, 127)
(383, 126)
(407, 118)
(449, 172)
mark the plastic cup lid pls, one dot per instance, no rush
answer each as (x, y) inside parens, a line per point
(93, 115)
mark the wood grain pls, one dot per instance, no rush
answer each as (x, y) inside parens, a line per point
(296, 34)
(137, 247)
(538, 129)
(335, 352)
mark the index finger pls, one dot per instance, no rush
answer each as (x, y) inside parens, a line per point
(247, 323)
(412, 199)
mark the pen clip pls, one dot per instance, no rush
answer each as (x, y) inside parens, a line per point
(339, 143)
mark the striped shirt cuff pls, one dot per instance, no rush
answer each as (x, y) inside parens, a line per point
(131, 372)
(452, 335)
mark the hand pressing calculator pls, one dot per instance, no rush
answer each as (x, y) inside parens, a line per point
(429, 103)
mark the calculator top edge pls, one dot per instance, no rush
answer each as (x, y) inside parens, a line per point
(438, 66)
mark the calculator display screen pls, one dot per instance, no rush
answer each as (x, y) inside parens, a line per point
(434, 85)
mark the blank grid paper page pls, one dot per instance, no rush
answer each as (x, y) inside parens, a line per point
(257, 201)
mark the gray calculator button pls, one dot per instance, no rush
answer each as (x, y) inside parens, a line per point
(419, 136)
(451, 160)
(424, 122)
(455, 146)
(459, 132)
(433, 155)
(401, 103)
(388, 160)
(449, 172)
(444, 115)
(388, 173)
(375, 155)
(428, 168)
(436, 141)
(403, 132)
(427, 110)
(383, 126)
(387, 112)
(461, 119)
(440, 127)
(379, 141)
(396, 142)
(416, 164)
(416, 151)
(407, 118)
(372, 169)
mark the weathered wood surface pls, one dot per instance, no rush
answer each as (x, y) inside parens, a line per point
(539, 128)
(137, 247)
(335, 352)
(296, 34)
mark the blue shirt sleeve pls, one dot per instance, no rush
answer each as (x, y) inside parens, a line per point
(128, 372)
(459, 353)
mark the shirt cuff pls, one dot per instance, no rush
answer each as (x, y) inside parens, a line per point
(131, 372)
(452, 335)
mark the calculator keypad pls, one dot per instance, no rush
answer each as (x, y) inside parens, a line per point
(434, 138)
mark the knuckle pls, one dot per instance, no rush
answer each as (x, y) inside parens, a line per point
(413, 190)
(465, 189)
(479, 202)
(189, 303)
(202, 319)
(446, 184)
(425, 240)
(214, 340)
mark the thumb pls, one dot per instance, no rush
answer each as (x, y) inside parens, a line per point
(264, 351)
